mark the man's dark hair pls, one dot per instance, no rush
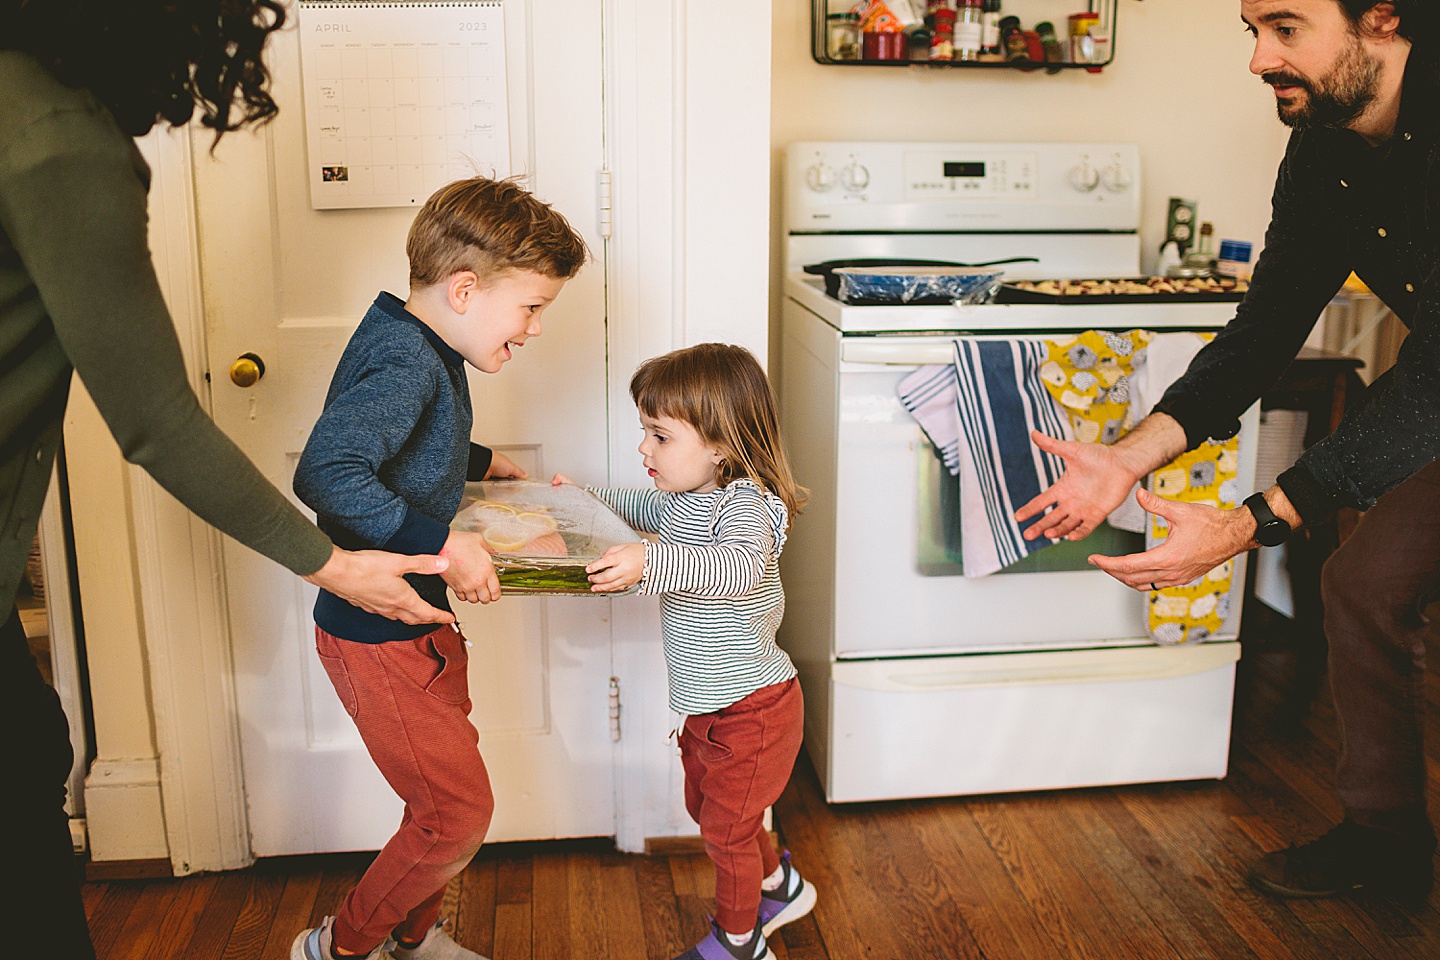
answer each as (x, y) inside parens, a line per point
(1415, 16)
(154, 60)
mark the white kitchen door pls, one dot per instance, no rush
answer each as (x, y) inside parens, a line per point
(288, 284)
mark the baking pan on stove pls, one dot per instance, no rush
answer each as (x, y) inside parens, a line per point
(826, 270)
(1229, 291)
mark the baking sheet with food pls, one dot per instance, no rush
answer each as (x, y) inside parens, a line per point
(1124, 290)
(541, 536)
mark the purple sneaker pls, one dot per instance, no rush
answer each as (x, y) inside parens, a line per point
(788, 902)
(717, 946)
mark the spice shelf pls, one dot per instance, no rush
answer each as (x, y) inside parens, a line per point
(1035, 10)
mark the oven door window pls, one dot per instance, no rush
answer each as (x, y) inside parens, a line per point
(939, 540)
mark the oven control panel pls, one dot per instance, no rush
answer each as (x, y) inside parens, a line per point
(851, 186)
(943, 175)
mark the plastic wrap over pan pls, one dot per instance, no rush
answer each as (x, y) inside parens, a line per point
(541, 536)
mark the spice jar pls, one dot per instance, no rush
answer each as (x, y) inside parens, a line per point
(967, 39)
(1034, 49)
(843, 36)
(990, 44)
(1082, 45)
(883, 45)
(1049, 43)
(942, 33)
(917, 41)
(1013, 39)
(1080, 23)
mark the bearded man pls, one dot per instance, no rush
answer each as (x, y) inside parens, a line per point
(1357, 191)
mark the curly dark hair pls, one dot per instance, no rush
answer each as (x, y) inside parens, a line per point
(154, 60)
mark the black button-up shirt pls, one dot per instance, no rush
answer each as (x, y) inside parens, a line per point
(1340, 205)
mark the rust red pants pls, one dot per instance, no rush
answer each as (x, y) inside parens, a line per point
(737, 762)
(410, 701)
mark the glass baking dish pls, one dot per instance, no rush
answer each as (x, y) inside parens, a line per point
(541, 536)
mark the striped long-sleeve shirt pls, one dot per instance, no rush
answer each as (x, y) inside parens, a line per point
(716, 570)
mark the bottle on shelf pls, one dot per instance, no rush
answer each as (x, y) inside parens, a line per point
(967, 31)
(843, 36)
(1014, 39)
(990, 45)
(941, 20)
(1049, 45)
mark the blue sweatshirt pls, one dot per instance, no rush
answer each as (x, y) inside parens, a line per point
(387, 461)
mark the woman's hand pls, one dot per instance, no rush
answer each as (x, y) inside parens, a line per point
(373, 580)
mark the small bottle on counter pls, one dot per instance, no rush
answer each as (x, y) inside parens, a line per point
(1234, 259)
(990, 45)
(1200, 262)
(967, 36)
(1170, 259)
(1014, 39)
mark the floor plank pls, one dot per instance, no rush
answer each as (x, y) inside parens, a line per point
(1149, 871)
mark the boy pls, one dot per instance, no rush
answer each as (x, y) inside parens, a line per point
(385, 467)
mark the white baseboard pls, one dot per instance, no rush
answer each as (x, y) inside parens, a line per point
(124, 815)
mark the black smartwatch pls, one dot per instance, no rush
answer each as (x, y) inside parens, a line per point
(1270, 530)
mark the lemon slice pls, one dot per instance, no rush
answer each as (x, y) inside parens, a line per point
(543, 523)
(507, 536)
(488, 511)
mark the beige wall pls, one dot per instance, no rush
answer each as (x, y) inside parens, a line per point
(1179, 87)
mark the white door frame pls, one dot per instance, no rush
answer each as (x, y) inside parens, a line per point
(688, 142)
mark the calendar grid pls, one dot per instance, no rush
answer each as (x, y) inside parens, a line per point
(401, 98)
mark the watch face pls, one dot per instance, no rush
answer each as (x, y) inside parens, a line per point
(1272, 533)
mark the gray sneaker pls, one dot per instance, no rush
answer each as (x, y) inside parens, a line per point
(437, 945)
(788, 902)
(314, 944)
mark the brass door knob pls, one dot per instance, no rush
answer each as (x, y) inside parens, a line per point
(247, 370)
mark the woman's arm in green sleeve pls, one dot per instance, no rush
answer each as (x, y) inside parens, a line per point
(74, 205)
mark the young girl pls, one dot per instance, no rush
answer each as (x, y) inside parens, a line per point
(722, 505)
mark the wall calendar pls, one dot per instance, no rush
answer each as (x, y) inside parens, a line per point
(401, 98)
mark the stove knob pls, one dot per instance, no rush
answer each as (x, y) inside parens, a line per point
(855, 177)
(820, 177)
(1116, 178)
(1084, 177)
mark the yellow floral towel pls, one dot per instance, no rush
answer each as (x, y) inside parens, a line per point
(1089, 375)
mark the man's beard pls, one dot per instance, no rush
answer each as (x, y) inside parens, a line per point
(1335, 99)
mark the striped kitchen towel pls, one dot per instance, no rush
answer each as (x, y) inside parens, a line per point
(978, 412)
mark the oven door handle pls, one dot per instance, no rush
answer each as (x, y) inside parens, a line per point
(918, 352)
(1113, 665)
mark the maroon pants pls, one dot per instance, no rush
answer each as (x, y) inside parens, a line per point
(1375, 587)
(737, 762)
(410, 700)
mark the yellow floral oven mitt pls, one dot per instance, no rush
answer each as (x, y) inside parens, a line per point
(1089, 375)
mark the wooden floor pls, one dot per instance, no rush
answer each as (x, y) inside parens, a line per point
(1145, 872)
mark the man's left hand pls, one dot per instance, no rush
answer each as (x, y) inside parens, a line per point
(1201, 538)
